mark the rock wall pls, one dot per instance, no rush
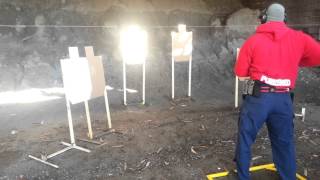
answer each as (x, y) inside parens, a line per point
(30, 50)
(303, 15)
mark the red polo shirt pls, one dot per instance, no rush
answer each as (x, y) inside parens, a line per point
(274, 53)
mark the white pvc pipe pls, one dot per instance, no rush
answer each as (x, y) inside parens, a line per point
(236, 92)
(88, 119)
(76, 147)
(59, 152)
(172, 78)
(190, 70)
(44, 162)
(302, 115)
(72, 139)
(144, 82)
(124, 84)
(303, 112)
(106, 101)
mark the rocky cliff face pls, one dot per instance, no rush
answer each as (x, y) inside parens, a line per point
(30, 50)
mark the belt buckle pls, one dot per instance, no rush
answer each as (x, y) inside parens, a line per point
(272, 89)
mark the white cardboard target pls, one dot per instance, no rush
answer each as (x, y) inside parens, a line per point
(83, 77)
(96, 73)
(181, 46)
(76, 77)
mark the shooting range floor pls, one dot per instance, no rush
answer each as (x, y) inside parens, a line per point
(185, 140)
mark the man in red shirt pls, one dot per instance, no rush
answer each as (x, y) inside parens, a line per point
(270, 59)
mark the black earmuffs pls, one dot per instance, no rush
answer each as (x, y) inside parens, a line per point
(264, 16)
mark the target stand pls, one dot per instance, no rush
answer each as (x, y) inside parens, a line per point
(125, 83)
(72, 145)
(99, 89)
(83, 79)
(181, 52)
(76, 80)
(98, 85)
(302, 115)
(133, 44)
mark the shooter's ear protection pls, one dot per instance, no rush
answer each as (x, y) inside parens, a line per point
(264, 16)
(285, 17)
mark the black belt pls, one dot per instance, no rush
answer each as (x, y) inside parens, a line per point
(255, 88)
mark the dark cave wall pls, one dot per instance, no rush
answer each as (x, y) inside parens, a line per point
(29, 56)
(303, 15)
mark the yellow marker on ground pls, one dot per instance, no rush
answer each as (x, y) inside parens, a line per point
(300, 177)
(270, 167)
(216, 175)
(297, 175)
(261, 167)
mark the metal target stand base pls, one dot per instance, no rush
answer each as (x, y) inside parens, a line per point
(44, 159)
(72, 145)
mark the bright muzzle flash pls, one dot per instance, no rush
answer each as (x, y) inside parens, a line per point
(133, 45)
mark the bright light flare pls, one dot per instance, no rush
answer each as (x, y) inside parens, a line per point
(30, 96)
(133, 45)
(76, 79)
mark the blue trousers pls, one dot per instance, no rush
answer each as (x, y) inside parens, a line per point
(276, 110)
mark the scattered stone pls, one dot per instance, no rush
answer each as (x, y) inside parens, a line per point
(125, 166)
(312, 142)
(118, 146)
(229, 141)
(193, 151)
(256, 158)
(305, 172)
(202, 127)
(159, 150)
(148, 164)
(187, 121)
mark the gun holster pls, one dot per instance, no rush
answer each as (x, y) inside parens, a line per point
(292, 96)
(252, 88)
